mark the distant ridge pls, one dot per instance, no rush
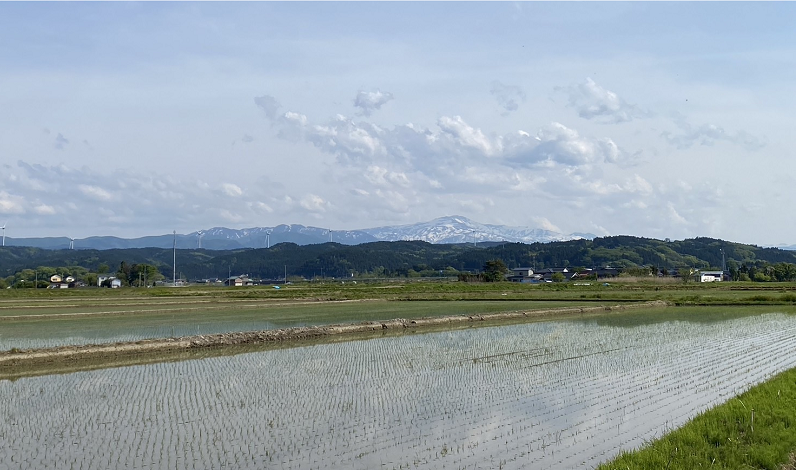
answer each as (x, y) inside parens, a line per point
(443, 230)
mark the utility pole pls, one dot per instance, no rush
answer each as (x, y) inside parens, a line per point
(723, 263)
(174, 274)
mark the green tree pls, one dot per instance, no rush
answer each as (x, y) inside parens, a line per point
(90, 279)
(123, 274)
(494, 270)
(557, 277)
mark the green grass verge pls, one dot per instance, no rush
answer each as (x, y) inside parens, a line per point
(754, 430)
(727, 293)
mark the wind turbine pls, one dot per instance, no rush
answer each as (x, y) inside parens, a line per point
(199, 238)
(71, 243)
(330, 235)
(268, 239)
(4, 234)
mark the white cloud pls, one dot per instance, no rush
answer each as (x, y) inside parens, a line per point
(709, 134)
(11, 204)
(464, 135)
(262, 207)
(350, 141)
(44, 209)
(230, 216)
(542, 222)
(313, 203)
(156, 203)
(369, 101)
(637, 184)
(592, 101)
(383, 177)
(558, 144)
(232, 190)
(95, 192)
(674, 216)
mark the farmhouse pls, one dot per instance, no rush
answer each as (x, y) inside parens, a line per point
(238, 281)
(109, 281)
(547, 273)
(523, 275)
(56, 282)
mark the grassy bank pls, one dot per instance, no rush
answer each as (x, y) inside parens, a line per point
(757, 430)
(614, 290)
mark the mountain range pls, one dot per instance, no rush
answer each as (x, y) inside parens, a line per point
(443, 230)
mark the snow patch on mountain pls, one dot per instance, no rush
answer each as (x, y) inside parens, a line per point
(458, 229)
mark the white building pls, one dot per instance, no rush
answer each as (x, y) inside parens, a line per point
(711, 276)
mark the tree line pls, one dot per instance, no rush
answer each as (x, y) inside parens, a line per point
(144, 266)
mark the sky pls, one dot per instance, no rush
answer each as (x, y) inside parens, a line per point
(663, 120)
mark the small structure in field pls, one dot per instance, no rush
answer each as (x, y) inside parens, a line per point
(238, 281)
(710, 276)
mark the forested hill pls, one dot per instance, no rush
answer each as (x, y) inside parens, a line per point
(406, 258)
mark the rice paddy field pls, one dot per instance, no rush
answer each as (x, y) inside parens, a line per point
(86, 321)
(566, 393)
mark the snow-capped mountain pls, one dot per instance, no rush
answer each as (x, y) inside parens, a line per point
(458, 229)
(260, 237)
(452, 229)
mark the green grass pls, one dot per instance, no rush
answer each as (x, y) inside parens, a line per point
(754, 430)
(616, 290)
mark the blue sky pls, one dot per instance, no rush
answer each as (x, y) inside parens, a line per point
(652, 119)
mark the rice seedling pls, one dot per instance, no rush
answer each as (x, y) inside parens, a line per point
(560, 394)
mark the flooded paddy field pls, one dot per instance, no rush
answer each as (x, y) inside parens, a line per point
(89, 322)
(553, 394)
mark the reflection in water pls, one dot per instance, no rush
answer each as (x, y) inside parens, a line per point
(542, 395)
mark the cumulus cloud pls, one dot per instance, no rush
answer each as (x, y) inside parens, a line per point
(313, 203)
(709, 134)
(261, 207)
(390, 172)
(592, 101)
(95, 192)
(464, 135)
(369, 101)
(453, 155)
(11, 204)
(232, 190)
(674, 216)
(65, 198)
(558, 144)
(544, 223)
(44, 209)
(383, 177)
(509, 97)
(349, 140)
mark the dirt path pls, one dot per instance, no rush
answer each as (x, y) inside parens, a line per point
(17, 360)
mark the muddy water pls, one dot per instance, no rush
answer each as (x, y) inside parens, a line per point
(564, 394)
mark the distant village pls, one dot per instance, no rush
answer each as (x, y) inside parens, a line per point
(528, 275)
(523, 275)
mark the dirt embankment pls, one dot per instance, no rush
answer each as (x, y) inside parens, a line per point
(17, 359)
